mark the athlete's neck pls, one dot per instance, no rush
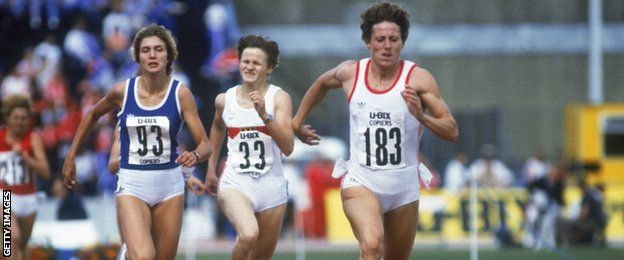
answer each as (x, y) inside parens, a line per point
(382, 76)
(14, 137)
(154, 83)
(261, 87)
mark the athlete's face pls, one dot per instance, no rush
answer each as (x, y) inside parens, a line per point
(253, 65)
(385, 44)
(153, 55)
(18, 121)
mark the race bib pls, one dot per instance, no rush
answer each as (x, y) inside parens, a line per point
(13, 169)
(149, 140)
(251, 152)
(380, 135)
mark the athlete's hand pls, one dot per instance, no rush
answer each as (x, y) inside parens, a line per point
(187, 159)
(29, 160)
(307, 135)
(258, 102)
(196, 186)
(414, 102)
(69, 172)
(211, 185)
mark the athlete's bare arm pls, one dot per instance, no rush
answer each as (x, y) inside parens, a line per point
(421, 94)
(217, 134)
(113, 159)
(191, 117)
(110, 102)
(39, 163)
(280, 127)
(341, 76)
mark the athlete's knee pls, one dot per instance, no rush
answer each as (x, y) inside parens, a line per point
(141, 253)
(247, 239)
(371, 247)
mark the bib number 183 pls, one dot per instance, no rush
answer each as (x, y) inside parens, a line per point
(377, 144)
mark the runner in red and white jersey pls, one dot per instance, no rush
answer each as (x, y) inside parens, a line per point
(22, 157)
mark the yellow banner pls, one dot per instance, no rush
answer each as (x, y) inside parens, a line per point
(447, 216)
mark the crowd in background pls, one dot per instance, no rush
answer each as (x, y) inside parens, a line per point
(545, 224)
(67, 54)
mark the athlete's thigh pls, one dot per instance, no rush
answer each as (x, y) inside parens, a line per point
(134, 218)
(363, 210)
(238, 209)
(166, 225)
(270, 224)
(16, 230)
(26, 225)
(400, 229)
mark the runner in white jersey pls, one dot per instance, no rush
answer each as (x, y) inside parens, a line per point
(256, 118)
(390, 101)
(152, 108)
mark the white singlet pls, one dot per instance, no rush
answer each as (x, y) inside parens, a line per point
(254, 164)
(384, 135)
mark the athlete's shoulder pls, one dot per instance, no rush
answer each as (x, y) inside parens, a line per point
(346, 70)
(220, 101)
(421, 79)
(118, 89)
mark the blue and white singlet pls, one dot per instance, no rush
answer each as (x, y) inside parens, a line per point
(147, 135)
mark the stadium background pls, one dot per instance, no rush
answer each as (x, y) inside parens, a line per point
(507, 69)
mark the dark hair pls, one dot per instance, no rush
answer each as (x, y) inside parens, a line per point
(384, 11)
(12, 102)
(164, 34)
(270, 47)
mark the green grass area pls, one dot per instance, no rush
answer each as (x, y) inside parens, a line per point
(506, 254)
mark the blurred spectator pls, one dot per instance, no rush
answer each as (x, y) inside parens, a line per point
(52, 13)
(117, 31)
(589, 226)
(543, 211)
(489, 171)
(222, 32)
(456, 173)
(116, 27)
(16, 83)
(180, 75)
(318, 175)
(81, 44)
(535, 168)
(101, 73)
(82, 49)
(27, 65)
(48, 55)
(161, 12)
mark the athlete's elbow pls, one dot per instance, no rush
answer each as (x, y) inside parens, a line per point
(452, 137)
(288, 149)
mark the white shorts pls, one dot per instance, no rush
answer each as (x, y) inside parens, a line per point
(153, 186)
(265, 192)
(388, 201)
(24, 205)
